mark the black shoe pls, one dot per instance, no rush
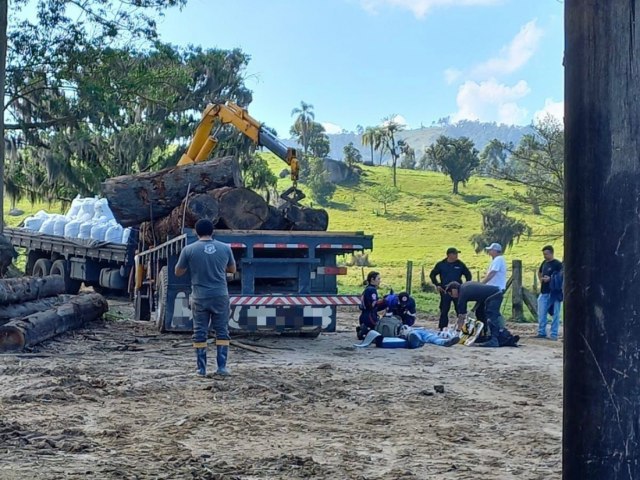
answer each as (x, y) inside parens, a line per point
(359, 333)
(452, 341)
(491, 343)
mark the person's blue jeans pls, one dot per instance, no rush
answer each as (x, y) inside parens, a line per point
(425, 336)
(212, 312)
(544, 302)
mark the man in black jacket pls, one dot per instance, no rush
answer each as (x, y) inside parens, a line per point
(450, 269)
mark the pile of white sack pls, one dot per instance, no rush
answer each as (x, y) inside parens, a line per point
(88, 218)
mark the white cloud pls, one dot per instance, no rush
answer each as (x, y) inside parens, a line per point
(491, 101)
(512, 56)
(451, 75)
(555, 109)
(421, 7)
(331, 128)
(399, 119)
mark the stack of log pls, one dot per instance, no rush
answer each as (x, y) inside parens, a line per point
(162, 202)
(34, 309)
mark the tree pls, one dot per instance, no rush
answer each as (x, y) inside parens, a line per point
(455, 157)
(369, 139)
(390, 129)
(385, 195)
(351, 155)
(497, 226)
(493, 158)
(318, 182)
(128, 111)
(302, 124)
(408, 155)
(258, 176)
(319, 145)
(538, 164)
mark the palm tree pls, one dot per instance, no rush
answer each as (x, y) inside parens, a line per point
(390, 128)
(369, 138)
(302, 123)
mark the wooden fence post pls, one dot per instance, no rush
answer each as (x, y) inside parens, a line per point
(409, 276)
(517, 313)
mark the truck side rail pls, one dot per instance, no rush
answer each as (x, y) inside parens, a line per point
(112, 252)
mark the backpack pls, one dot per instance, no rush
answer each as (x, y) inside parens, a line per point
(389, 326)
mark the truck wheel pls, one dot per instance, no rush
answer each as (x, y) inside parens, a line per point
(42, 267)
(71, 285)
(161, 306)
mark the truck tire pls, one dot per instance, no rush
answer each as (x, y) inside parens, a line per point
(61, 267)
(161, 306)
(42, 267)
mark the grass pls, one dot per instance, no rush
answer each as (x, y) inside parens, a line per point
(425, 220)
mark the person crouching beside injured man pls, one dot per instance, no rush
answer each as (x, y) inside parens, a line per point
(402, 306)
(370, 305)
(488, 300)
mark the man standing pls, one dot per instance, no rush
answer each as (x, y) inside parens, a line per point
(449, 270)
(497, 273)
(550, 299)
(208, 261)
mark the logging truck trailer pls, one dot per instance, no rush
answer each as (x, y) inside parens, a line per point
(286, 281)
(104, 266)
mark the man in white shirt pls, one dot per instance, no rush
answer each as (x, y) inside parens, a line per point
(497, 272)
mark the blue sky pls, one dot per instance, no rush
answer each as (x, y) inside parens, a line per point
(358, 61)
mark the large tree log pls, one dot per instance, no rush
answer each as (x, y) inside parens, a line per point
(240, 208)
(22, 289)
(19, 310)
(303, 218)
(275, 220)
(134, 199)
(198, 206)
(33, 329)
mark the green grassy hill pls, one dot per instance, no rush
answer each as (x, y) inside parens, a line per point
(425, 221)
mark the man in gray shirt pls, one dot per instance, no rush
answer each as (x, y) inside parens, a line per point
(208, 261)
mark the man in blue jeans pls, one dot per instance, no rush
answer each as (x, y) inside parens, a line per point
(550, 299)
(208, 261)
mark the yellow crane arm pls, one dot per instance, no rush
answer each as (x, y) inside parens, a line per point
(203, 143)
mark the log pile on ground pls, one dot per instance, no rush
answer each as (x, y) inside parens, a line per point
(164, 202)
(34, 309)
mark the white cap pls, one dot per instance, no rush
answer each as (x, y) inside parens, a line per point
(495, 246)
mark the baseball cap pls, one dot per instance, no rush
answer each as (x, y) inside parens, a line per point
(495, 246)
(451, 250)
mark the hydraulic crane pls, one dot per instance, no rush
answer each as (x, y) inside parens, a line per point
(204, 142)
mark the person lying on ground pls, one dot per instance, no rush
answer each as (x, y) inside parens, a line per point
(417, 337)
(488, 300)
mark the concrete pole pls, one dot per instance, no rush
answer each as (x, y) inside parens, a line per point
(602, 240)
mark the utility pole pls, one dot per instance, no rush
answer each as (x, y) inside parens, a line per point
(601, 439)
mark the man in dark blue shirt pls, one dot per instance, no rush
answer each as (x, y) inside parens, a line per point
(450, 269)
(547, 302)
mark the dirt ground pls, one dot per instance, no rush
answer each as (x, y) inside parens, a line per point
(118, 400)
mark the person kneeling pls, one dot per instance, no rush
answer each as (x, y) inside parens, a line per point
(488, 300)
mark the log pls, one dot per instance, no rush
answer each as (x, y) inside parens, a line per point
(303, 218)
(197, 206)
(275, 220)
(21, 289)
(134, 199)
(19, 310)
(38, 327)
(240, 208)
